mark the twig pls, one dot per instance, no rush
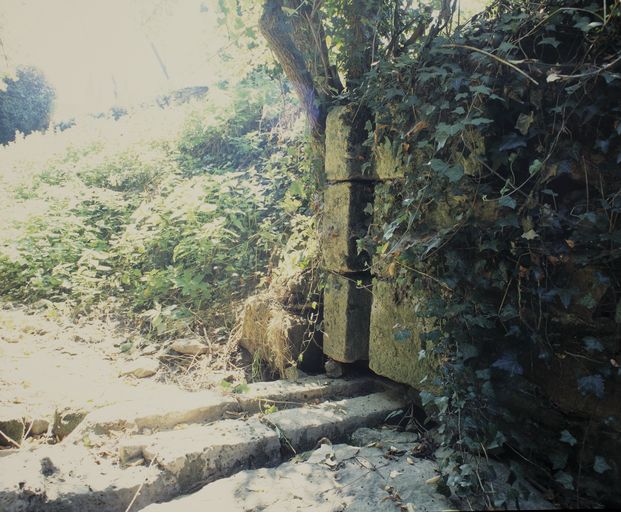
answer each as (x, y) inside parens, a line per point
(140, 487)
(420, 272)
(495, 57)
(590, 73)
(554, 14)
(9, 440)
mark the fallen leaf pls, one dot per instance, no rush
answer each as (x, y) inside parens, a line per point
(365, 463)
(410, 461)
(433, 480)
(552, 77)
(531, 234)
(395, 474)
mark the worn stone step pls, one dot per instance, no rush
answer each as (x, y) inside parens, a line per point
(177, 407)
(177, 461)
(301, 428)
(333, 478)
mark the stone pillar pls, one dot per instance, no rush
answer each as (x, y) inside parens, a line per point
(348, 200)
(396, 324)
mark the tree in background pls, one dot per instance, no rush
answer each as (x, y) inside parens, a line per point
(26, 103)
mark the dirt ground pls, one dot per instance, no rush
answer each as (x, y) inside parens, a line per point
(50, 364)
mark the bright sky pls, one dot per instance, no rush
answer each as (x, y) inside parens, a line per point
(88, 49)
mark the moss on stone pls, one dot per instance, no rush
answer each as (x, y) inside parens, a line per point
(345, 155)
(394, 341)
(346, 219)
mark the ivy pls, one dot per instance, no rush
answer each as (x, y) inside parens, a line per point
(511, 137)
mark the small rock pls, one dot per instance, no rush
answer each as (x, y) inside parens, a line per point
(141, 367)
(334, 369)
(47, 467)
(39, 426)
(294, 373)
(66, 422)
(189, 346)
(149, 350)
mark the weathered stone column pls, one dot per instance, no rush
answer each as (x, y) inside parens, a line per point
(348, 200)
(395, 347)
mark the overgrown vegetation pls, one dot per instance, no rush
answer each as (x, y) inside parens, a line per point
(507, 224)
(167, 216)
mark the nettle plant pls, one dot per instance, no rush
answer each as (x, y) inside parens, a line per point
(510, 130)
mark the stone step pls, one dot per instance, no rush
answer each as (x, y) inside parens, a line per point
(333, 478)
(179, 461)
(176, 407)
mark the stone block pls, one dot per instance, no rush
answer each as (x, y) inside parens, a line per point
(389, 161)
(303, 427)
(394, 340)
(345, 155)
(346, 219)
(66, 421)
(347, 309)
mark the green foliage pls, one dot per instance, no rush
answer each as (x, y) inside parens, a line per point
(507, 219)
(25, 104)
(168, 229)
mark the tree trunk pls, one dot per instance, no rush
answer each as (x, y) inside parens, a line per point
(278, 32)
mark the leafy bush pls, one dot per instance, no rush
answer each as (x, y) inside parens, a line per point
(25, 104)
(168, 228)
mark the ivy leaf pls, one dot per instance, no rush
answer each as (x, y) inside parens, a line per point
(506, 47)
(445, 131)
(592, 344)
(549, 40)
(425, 397)
(507, 201)
(566, 437)
(402, 335)
(478, 121)
(601, 466)
(535, 167)
(524, 121)
(564, 479)
(558, 459)
(452, 172)
(468, 351)
(481, 89)
(512, 141)
(509, 364)
(588, 301)
(592, 384)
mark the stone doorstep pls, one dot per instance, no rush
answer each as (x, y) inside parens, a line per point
(182, 459)
(207, 406)
(302, 428)
(285, 394)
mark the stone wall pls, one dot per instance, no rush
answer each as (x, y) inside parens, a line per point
(365, 317)
(369, 317)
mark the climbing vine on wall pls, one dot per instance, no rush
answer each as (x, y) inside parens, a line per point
(510, 131)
